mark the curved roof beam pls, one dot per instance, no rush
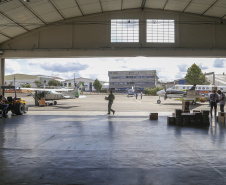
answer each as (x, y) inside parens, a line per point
(210, 7)
(57, 9)
(13, 21)
(165, 4)
(187, 6)
(101, 6)
(79, 7)
(143, 4)
(1, 33)
(28, 8)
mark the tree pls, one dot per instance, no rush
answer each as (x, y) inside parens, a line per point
(97, 85)
(54, 83)
(195, 76)
(38, 83)
(26, 85)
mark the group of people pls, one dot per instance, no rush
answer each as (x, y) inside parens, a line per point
(140, 95)
(216, 97)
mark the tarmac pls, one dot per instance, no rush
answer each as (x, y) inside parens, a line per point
(76, 142)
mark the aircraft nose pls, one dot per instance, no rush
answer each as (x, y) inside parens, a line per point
(161, 92)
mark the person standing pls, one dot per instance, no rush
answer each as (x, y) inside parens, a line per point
(141, 95)
(221, 100)
(3, 105)
(136, 95)
(111, 98)
(213, 103)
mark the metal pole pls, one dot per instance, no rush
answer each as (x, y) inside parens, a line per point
(2, 73)
(15, 84)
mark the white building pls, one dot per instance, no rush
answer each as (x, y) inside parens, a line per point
(88, 83)
(22, 79)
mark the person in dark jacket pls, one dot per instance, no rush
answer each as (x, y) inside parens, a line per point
(111, 98)
(214, 99)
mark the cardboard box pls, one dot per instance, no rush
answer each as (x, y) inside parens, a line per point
(186, 111)
(153, 116)
(42, 102)
(221, 119)
(178, 112)
(205, 112)
(185, 105)
(222, 114)
(171, 120)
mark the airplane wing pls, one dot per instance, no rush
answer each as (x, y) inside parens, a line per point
(46, 90)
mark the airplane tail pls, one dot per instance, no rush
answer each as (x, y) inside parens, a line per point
(75, 92)
(78, 89)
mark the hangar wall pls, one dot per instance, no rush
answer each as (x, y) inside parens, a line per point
(89, 36)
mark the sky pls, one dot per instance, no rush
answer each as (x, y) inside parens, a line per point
(168, 69)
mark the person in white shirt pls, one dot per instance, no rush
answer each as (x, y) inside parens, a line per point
(221, 100)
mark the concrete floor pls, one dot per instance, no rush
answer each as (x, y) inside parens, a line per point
(90, 147)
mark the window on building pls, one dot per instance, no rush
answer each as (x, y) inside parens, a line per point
(124, 30)
(160, 31)
(44, 81)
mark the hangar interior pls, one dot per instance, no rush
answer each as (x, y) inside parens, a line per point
(89, 28)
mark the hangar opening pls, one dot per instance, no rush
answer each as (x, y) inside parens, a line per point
(91, 147)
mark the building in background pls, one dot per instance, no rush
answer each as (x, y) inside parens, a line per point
(22, 79)
(139, 80)
(88, 83)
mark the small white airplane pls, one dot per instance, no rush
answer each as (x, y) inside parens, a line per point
(190, 94)
(131, 92)
(56, 94)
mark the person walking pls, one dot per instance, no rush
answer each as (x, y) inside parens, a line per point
(111, 98)
(221, 100)
(136, 95)
(213, 103)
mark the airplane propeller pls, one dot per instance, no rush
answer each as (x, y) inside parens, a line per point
(165, 97)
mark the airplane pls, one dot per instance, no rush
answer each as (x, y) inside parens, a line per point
(187, 92)
(131, 92)
(56, 94)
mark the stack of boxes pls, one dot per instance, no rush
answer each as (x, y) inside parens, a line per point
(42, 102)
(221, 118)
(183, 117)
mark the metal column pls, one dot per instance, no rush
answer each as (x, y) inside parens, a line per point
(2, 73)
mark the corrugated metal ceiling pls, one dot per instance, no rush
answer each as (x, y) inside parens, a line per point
(21, 16)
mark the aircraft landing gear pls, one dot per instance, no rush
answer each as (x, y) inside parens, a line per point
(158, 101)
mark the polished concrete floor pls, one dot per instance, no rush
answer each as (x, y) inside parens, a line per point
(50, 147)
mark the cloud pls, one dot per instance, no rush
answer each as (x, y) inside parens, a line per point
(93, 76)
(9, 70)
(218, 63)
(124, 67)
(64, 67)
(203, 67)
(182, 67)
(180, 75)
